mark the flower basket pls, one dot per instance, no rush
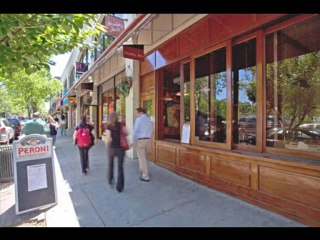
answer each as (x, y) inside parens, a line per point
(124, 86)
(73, 105)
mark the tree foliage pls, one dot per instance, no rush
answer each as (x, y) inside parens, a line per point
(29, 92)
(28, 40)
(297, 89)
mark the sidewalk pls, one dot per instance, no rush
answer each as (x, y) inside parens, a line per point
(168, 200)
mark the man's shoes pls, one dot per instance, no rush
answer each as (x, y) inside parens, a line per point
(145, 180)
(85, 173)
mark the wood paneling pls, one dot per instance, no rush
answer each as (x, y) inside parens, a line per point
(148, 64)
(194, 39)
(296, 187)
(222, 26)
(167, 53)
(192, 161)
(263, 18)
(233, 171)
(166, 154)
(147, 83)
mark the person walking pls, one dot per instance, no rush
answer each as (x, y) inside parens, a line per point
(53, 125)
(141, 137)
(63, 125)
(34, 126)
(82, 138)
(113, 133)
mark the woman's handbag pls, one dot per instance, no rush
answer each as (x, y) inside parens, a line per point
(123, 139)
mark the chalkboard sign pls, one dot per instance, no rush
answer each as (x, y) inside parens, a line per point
(34, 175)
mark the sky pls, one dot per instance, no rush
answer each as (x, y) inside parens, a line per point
(61, 62)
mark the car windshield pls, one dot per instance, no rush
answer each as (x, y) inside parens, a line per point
(14, 122)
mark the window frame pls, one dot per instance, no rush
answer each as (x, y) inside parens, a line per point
(272, 29)
(258, 35)
(193, 140)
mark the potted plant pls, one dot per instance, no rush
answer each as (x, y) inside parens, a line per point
(124, 86)
(73, 105)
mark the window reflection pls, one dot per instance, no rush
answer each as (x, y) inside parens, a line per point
(186, 92)
(108, 107)
(293, 87)
(170, 101)
(210, 97)
(244, 93)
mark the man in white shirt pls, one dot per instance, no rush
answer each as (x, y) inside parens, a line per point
(141, 137)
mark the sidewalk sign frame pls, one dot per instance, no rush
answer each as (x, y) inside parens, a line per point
(34, 173)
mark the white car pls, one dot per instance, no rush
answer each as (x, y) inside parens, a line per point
(6, 132)
(311, 126)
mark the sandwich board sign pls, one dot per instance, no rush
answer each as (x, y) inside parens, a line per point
(34, 175)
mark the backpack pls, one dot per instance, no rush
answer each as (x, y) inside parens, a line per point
(83, 137)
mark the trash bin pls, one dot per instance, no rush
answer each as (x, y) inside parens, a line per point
(6, 163)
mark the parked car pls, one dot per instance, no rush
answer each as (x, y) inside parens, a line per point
(306, 136)
(16, 125)
(6, 132)
(311, 126)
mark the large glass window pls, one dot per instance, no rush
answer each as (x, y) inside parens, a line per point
(120, 103)
(293, 87)
(107, 107)
(186, 92)
(211, 97)
(170, 102)
(244, 93)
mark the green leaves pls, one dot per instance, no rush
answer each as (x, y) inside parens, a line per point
(28, 90)
(29, 40)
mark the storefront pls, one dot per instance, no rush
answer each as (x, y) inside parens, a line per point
(110, 95)
(246, 89)
(89, 109)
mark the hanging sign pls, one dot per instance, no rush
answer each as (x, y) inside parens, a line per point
(81, 67)
(72, 99)
(87, 86)
(135, 51)
(114, 25)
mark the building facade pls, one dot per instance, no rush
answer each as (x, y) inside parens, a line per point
(234, 97)
(229, 94)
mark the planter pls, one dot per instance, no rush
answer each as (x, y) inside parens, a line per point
(125, 86)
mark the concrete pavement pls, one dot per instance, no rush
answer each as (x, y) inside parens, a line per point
(168, 200)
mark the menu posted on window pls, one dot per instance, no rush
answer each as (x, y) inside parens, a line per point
(185, 136)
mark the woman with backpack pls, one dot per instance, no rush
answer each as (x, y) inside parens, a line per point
(113, 143)
(82, 138)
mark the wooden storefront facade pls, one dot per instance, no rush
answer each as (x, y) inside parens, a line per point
(227, 54)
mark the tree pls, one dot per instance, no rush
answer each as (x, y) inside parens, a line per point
(297, 89)
(29, 40)
(5, 101)
(30, 91)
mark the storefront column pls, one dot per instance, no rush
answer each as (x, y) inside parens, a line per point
(78, 113)
(132, 101)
